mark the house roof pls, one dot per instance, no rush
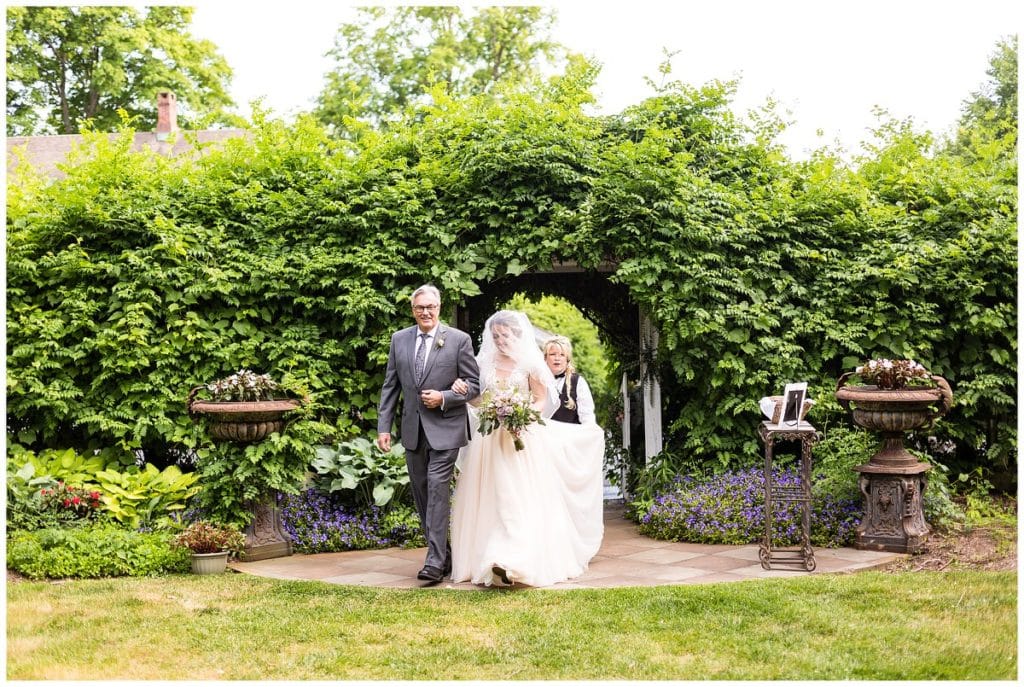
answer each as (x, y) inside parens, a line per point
(46, 153)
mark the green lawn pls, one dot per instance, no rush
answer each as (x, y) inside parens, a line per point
(867, 626)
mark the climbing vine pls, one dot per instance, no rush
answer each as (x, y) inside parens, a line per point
(136, 277)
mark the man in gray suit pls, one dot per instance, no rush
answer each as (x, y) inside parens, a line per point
(423, 362)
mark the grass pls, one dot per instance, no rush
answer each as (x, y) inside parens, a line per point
(867, 626)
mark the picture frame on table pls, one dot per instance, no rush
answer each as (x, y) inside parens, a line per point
(792, 404)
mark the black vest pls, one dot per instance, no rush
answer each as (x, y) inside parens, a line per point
(563, 414)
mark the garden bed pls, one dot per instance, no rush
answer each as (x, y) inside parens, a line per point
(991, 547)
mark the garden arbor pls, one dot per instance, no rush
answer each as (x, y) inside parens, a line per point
(623, 326)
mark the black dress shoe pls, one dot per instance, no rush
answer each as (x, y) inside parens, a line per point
(501, 574)
(430, 574)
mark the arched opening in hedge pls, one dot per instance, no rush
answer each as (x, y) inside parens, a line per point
(605, 303)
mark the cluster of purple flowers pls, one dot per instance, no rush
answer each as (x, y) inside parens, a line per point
(318, 523)
(729, 509)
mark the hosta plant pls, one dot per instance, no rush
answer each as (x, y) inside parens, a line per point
(358, 467)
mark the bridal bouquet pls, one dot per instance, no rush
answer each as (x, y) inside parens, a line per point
(510, 409)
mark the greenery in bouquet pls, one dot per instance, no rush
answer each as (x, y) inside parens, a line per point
(893, 374)
(244, 385)
(203, 536)
(509, 409)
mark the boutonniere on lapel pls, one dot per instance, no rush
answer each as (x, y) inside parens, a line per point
(439, 344)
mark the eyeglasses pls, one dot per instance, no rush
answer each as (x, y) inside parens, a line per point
(425, 308)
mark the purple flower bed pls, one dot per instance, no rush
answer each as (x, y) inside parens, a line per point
(729, 509)
(316, 523)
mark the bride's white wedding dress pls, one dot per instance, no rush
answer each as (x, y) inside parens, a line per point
(537, 513)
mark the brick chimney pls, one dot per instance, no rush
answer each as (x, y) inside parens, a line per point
(166, 115)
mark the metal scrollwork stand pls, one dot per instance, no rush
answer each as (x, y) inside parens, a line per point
(774, 493)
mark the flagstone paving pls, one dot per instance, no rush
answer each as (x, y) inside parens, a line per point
(626, 559)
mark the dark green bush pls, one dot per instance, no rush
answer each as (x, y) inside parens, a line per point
(100, 550)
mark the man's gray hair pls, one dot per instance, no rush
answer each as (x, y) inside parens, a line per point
(426, 288)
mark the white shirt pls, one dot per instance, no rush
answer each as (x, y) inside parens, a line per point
(420, 341)
(584, 399)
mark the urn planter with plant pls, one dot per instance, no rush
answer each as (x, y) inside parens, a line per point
(244, 407)
(895, 397)
(211, 545)
(243, 410)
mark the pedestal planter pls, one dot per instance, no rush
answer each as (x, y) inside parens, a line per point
(893, 481)
(209, 563)
(249, 422)
(243, 422)
(264, 535)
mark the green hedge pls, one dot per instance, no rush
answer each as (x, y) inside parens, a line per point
(135, 277)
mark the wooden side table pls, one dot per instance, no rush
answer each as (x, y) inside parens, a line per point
(774, 493)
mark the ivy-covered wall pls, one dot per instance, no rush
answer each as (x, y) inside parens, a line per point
(136, 278)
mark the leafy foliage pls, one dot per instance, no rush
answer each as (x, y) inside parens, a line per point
(100, 550)
(362, 474)
(137, 497)
(146, 497)
(202, 536)
(389, 59)
(136, 277)
(66, 65)
(38, 502)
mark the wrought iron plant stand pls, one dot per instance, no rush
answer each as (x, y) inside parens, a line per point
(769, 554)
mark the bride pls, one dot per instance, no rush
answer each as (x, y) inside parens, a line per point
(532, 516)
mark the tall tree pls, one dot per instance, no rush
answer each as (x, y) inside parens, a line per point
(390, 58)
(69, 64)
(990, 114)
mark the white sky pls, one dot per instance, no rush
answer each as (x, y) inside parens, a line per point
(828, 62)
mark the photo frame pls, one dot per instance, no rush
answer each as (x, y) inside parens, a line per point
(793, 403)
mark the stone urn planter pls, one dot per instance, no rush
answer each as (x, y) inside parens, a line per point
(248, 422)
(893, 480)
(242, 422)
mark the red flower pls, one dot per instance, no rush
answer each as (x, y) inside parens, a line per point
(94, 495)
(76, 500)
(67, 502)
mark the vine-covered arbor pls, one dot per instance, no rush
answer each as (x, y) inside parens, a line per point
(288, 251)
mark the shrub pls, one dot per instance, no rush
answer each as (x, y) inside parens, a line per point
(98, 550)
(320, 523)
(729, 509)
(134, 497)
(148, 497)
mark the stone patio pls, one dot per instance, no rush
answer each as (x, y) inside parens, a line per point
(626, 559)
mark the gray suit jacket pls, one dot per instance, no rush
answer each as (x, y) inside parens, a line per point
(450, 357)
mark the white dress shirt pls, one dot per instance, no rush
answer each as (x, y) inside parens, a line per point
(584, 399)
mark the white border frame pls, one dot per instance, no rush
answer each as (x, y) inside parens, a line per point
(798, 393)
